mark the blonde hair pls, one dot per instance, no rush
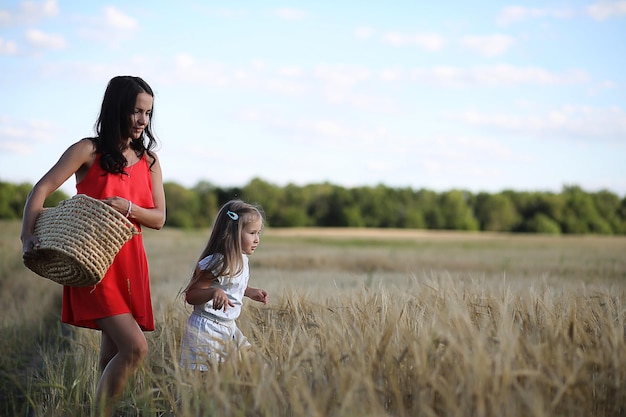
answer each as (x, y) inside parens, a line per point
(225, 239)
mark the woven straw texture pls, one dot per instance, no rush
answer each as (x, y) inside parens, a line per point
(78, 241)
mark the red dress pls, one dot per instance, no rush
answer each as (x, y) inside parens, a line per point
(125, 287)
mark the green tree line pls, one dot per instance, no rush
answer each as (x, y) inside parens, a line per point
(571, 211)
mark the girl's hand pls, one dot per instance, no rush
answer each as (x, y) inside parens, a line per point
(221, 301)
(257, 294)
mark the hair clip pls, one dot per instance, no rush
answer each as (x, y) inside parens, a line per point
(232, 215)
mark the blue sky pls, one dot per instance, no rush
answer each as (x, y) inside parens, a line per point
(441, 95)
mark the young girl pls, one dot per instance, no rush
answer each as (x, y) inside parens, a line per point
(218, 285)
(119, 167)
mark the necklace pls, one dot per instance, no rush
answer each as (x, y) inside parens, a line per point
(129, 167)
(131, 162)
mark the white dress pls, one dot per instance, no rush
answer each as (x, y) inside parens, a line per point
(211, 335)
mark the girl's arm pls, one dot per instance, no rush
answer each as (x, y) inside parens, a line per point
(153, 218)
(200, 291)
(76, 159)
(257, 294)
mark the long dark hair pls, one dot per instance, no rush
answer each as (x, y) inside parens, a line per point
(114, 123)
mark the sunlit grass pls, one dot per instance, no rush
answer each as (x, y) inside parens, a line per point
(446, 326)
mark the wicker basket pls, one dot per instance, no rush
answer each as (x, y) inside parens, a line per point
(78, 241)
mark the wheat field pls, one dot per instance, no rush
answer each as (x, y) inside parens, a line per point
(360, 323)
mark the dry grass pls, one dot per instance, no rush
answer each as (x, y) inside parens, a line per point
(372, 324)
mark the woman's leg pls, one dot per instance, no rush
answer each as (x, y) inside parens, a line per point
(108, 350)
(130, 349)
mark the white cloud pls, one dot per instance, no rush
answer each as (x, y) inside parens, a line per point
(46, 8)
(189, 69)
(43, 40)
(602, 86)
(29, 12)
(325, 132)
(364, 32)
(427, 41)
(490, 46)
(5, 18)
(599, 10)
(606, 9)
(281, 86)
(21, 137)
(391, 74)
(184, 60)
(363, 101)
(342, 76)
(112, 28)
(502, 74)
(291, 71)
(380, 154)
(16, 147)
(291, 14)
(7, 47)
(488, 147)
(222, 12)
(87, 71)
(574, 121)
(118, 20)
(258, 64)
(513, 14)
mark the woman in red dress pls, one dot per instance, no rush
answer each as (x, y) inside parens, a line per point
(119, 167)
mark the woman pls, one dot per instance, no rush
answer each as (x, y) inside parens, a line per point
(118, 167)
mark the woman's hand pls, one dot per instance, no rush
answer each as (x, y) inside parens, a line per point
(119, 204)
(29, 245)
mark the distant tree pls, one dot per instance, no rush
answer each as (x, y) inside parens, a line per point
(393, 207)
(338, 201)
(328, 205)
(268, 196)
(496, 212)
(7, 201)
(292, 216)
(409, 213)
(318, 209)
(208, 204)
(621, 216)
(353, 217)
(415, 219)
(372, 207)
(293, 209)
(428, 203)
(183, 206)
(230, 193)
(20, 194)
(580, 215)
(457, 214)
(607, 205)
(13, 198)
(530, 204)
(541, 223)
(54, 199)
